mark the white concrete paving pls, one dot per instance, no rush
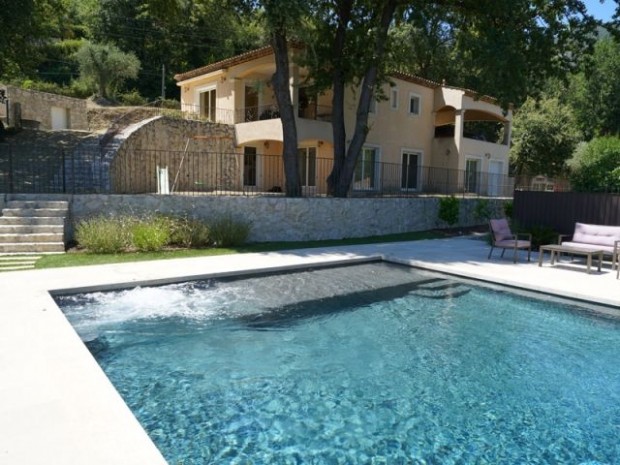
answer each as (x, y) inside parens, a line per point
(56, 404)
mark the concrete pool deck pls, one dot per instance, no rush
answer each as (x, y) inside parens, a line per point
(56, 404)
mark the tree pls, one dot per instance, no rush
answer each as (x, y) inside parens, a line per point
(595, 166)
(106, 66)
(282, 17)
(544, 136)
(596, 91)
(26, 26)
(509, 47)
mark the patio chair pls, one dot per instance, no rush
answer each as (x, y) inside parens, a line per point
(503, 238)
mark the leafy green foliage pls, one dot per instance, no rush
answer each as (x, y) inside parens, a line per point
(509, 209)
(482, 210)
(542, 235)
(227, 231)
(449, 210)
(595, 166)
(595, 91)
(151, 234)
(544, 136)
(106, 67)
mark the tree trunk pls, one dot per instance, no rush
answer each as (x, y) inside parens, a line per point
(338, 89)
(281, 87)
(344, 165)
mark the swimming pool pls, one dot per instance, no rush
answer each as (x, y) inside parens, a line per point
(373, 363)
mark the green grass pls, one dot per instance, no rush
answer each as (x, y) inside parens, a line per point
(83, 259)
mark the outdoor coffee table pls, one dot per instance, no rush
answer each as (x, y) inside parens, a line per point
(555, 250)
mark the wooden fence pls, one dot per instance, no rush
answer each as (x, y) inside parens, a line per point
(561, 210)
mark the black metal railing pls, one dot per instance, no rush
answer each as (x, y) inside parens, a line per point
(39, 169)
(84, 169)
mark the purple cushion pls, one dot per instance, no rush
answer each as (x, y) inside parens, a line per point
(500, 229)
(596, 234)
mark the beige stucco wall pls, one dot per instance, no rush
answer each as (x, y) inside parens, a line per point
(36, 108)
(395, 130)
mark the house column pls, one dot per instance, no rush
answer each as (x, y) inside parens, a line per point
(459, 119)
(508, 130)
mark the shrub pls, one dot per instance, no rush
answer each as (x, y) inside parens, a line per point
(132, 98)
(595, 166)
(186, 232)
(482, 210)
(542, 235)
(103, 235)
(150, 234)
(508, 209)
(449, 210)
(229, 232)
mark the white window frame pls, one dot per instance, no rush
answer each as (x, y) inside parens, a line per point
(394, 98)
(420, 154)
(413, 95)
(479, 161)
(377, 169)
(201, 90)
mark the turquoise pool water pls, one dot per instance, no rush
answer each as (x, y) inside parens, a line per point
(371, 364)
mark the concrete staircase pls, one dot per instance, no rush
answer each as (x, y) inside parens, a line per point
(33, 227)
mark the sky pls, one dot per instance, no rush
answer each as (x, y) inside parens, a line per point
(602, 11)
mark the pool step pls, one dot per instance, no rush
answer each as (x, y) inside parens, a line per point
(441, 289)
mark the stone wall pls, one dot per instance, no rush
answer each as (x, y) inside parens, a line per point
(199, 156)
(35, 108)
(287, 219)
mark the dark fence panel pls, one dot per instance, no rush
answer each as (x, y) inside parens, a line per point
(48, 169)
(561, 210)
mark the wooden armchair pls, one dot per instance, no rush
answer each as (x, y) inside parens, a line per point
(503, 238)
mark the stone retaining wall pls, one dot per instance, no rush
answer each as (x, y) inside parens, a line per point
(187, 143)
(286, 219)
(35, 108)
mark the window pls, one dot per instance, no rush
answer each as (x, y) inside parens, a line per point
(471, 175)
(410, 170)
(414, 104)
(366, 169)
(307, 166)
(207, 104)
(394, 99)
(249, 166)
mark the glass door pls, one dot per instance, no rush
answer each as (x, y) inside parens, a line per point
(410, 171)
(249, 166)
(307, 166)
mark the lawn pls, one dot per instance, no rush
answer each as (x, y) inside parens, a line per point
(76, 258)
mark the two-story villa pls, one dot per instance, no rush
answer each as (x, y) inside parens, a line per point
(423, 137)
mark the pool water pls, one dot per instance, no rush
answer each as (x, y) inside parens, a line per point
(369, 364)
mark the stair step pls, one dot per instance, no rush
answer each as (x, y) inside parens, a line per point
(18, 262)
(35, 204)
(17, 267)
(32, 247)
(32, 237)
(31, 229)
(35, 212)
(25, 220)
(11, 260)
